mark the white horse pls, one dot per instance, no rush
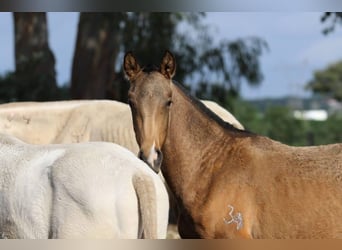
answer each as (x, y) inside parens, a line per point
(85, 190)
(78, 121)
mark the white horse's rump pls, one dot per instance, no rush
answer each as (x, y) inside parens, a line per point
(86, 190)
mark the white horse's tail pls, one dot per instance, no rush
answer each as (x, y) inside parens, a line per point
(147, 199)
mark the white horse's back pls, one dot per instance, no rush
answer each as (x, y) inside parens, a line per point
(223, 113)
(82, 190)
(73, 121)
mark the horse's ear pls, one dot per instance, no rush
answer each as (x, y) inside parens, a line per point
(131, 66)
(168, 65)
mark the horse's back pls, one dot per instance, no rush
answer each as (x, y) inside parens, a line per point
(25, 187)
(35, 122)
(44, 122)
(104, 192)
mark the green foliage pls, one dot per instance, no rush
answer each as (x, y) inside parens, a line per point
(34, 76)
(249, 116)
(233, 62)
(329, 131)
(279, 124)
(282, 126)
(328, 81)
(149, 34)
(334, 18)
(216, 92)
(29, 88)
(28, 85)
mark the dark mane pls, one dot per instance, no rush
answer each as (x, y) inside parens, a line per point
(210, 113)
(150, 68)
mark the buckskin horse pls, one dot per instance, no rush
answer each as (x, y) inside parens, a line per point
(231, 183)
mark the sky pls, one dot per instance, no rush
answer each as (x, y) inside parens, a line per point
(297, 46)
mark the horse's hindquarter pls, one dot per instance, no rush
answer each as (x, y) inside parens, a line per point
(99, 200)
(304, 194)
(278, 192)
(26, 191)
(72, 191)
(291, 192)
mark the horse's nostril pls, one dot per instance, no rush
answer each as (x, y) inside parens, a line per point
(154, 161)
(159, 157)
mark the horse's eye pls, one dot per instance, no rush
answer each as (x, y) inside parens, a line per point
(169, 102)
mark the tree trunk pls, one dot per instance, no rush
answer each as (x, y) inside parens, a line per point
(34, 60)
(93, 70)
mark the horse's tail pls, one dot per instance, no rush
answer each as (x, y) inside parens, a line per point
(151, 206)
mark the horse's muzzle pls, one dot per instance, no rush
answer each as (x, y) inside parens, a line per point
(155, 162)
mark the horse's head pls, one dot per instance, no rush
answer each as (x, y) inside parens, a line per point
(150, 99)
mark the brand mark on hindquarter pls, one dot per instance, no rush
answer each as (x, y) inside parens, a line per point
(234, 218)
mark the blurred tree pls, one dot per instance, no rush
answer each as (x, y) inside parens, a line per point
(235, 61)
(329, 131)
(334, 18)
(96, 50)
(328, 81)
(8, 88)
(35, 76)
(232, 62)
(104, 38)
(280, 125)
(148, 35)
(249, 116)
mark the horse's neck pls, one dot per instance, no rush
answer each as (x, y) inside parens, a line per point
(188, 146)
